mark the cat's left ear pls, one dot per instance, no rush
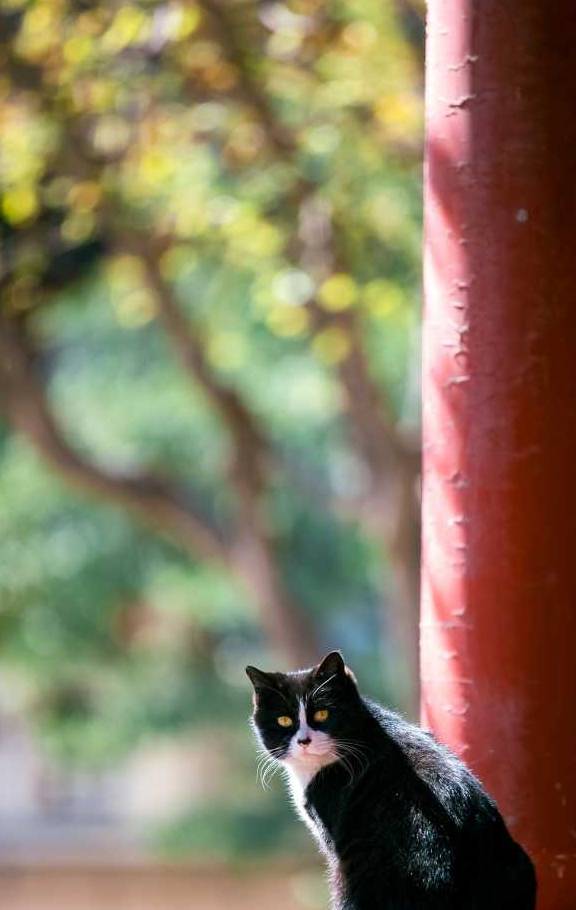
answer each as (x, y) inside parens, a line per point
(331, 665)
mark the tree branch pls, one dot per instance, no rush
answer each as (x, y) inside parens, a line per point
(152, 499)
(252, 451)
(279, 137)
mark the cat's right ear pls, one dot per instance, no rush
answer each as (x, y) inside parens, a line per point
(258, 678)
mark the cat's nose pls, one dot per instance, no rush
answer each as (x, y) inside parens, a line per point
(305, 741)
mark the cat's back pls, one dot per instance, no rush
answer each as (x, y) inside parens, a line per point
(434, 768)
(453, 799)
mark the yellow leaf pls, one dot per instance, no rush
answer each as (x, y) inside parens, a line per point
(77, 49)
(39, 31)
(331, 345)
(400, 113)
(19, 204)
(382, 298)
(156, 166)
(287, 321)
(124, 271)
(188, 22)
(339, 292)
(129, 25)
(135, 308)
(101, 94)
(77, 226)
(253, 238)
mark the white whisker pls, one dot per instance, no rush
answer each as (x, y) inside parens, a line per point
(267, 764)
(326, 681)
(349, 752)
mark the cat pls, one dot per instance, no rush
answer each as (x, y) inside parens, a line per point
(403, 824)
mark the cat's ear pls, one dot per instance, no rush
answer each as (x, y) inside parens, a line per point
(332, 665)
(258, 678)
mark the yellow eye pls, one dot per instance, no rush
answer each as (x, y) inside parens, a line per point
(320, 716)
(285, 721)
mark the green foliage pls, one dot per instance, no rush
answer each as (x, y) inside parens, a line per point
(233, 833)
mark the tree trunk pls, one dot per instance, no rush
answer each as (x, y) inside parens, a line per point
(288, 629)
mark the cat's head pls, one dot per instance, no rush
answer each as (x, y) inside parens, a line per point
(306, 719)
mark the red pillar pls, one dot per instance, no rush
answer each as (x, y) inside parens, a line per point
(499, 508)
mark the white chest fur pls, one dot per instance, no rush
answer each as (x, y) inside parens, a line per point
(298, 779)
(302, 765)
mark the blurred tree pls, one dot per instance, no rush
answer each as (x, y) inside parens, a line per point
(242, 181)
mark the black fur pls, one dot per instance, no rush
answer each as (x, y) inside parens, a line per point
(403, 823)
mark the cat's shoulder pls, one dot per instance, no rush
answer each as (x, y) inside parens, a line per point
(429, 769)
(424, 752)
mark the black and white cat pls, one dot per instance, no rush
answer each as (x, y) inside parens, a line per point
(403, 823)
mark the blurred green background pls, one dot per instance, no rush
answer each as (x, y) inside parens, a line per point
(209, 452)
